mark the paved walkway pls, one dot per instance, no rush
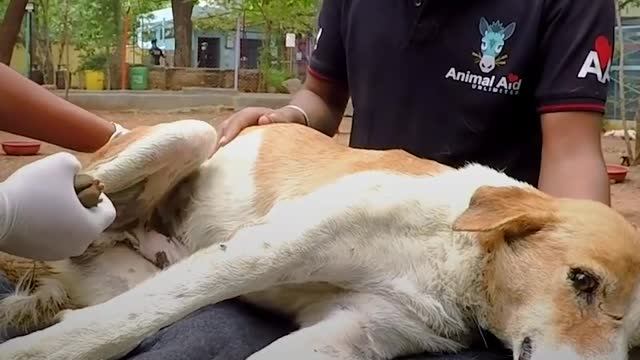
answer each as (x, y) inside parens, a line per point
(115, 100)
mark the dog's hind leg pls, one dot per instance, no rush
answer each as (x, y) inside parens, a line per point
(243, 265)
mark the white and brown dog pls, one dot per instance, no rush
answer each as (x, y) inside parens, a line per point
(377, 254)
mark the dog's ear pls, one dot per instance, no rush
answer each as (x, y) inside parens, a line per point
(508, 212)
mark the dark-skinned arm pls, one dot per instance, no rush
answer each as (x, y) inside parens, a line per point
(27, 109)
(572, 162)
(324, 102)
(572, 93)
(325, 92)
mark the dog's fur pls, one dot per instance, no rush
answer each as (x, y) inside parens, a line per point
(375, 253)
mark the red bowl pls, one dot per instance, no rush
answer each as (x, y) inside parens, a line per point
(18, 148)
(617, 173)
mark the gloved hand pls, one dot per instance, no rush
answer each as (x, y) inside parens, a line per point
(40, 215)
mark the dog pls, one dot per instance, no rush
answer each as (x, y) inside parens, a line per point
(376, 254)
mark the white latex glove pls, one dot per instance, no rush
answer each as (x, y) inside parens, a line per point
(40, 214)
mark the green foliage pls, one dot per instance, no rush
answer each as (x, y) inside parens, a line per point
(624, 4)
(273, 17)
(278, 15)
(94, 61)
(274, 77)
(3, 8)
(94, 26)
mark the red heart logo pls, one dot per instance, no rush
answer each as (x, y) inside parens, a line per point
(512, 77)
(604, 50)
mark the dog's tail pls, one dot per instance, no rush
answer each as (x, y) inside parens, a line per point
(36, 299)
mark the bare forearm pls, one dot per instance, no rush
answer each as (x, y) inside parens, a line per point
(29, 110)
(582, 176)
(324, 105)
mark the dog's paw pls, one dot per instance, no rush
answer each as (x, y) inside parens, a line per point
(73, 337)
(62, 315)
(22, 348)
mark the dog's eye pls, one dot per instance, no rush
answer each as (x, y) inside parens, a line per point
(583, 281)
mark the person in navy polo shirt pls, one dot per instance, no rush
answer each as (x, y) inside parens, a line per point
(519, 85)
(516, 85)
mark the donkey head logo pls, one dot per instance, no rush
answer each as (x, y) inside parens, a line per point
(494, 36)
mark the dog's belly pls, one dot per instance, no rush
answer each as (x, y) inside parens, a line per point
(109, 274)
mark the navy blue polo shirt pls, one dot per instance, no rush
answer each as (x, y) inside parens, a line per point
(465, 81)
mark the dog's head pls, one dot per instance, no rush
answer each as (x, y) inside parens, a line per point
(561, 274)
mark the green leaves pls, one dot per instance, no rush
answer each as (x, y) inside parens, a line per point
(279, 15)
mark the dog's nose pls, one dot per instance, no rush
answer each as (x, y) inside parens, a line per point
(525, 349)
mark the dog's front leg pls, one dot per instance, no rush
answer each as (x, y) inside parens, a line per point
(109, 330)
(353, 326)
(341, 335)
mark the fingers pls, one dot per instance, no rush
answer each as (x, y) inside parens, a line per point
(270, 118)
(231, 127)
(234, 125)
(104, 214)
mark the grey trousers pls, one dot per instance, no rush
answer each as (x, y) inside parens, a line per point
(232, 330)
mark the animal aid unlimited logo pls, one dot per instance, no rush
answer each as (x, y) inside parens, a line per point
(492, 41)
(598, 60)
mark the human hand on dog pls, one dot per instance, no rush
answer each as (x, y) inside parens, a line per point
(41, 216)
(252, 116)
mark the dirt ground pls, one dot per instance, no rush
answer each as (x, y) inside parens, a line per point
(625, 196)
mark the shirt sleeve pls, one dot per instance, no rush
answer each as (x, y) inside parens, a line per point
(576, 52)
(328, 59)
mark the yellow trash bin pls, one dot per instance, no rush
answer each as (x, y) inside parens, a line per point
(94, 80)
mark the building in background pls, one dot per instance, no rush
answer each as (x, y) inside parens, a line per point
(631, 36)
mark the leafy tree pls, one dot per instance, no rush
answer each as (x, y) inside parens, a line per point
(273, 17)
(183, 27)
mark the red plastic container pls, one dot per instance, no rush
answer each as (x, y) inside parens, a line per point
(617, 173)
(21, 148)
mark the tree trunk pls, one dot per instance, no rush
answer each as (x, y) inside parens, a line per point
(10, 28)
(183, 26)
(115, 62)
(67, 80)
(621, 84)
(65, 33)
(42, 40)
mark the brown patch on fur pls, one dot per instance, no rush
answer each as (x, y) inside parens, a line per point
(119, 144)
(506, 212)
(609, 248)
(35, 303)
(588, 336)
(14, 268)
(295, 160)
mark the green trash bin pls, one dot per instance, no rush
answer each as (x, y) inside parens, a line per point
(139, 77)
